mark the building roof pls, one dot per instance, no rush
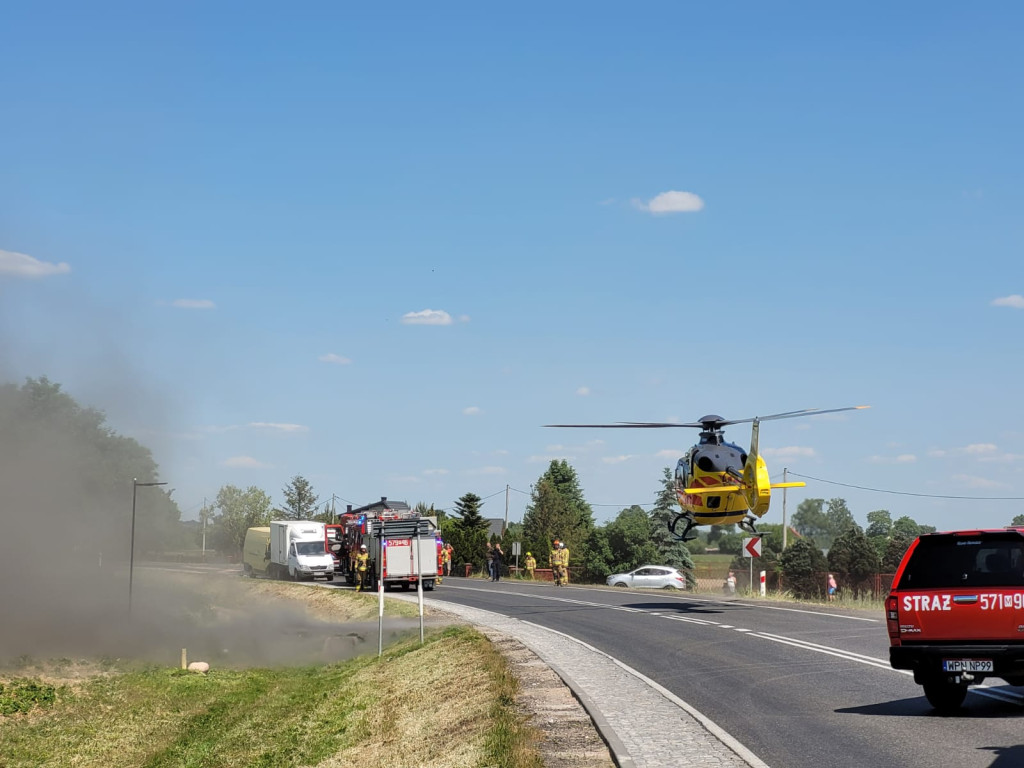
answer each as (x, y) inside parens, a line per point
(385, 504)
(495, 526)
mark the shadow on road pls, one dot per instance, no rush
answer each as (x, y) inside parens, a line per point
(676, 606)
(976, 707)
(1006, 757)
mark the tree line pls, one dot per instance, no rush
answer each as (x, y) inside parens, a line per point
(64, 460)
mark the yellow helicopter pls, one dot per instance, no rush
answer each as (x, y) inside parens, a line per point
(718, 483)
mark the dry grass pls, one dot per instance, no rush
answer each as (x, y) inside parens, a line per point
(449, 703)
(334, 604)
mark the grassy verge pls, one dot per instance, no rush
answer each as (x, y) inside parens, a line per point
(448, 703)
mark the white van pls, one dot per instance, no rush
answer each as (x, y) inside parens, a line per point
(298, 550)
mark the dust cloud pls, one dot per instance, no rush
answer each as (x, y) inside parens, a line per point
(66, 511)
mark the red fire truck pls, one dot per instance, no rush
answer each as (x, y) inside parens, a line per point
(403, 546)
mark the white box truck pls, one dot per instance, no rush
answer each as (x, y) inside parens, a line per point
(298, 551)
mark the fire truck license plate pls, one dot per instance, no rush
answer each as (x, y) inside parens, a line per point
(967, 665)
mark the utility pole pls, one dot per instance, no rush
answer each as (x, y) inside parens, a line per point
(205, 515)
(784, 471)
(506, 511)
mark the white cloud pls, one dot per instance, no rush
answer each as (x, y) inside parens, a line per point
(472, 411)
(193, 304)
(903, 458)
(22, 265)
(671, 202)
(1003, 458)
(979, 449)
(583, 391)
(427, 317)
(616, 459)
(404, 479)
(936, 453)
(435, 472)
(330, 357)
(606, 201)
(463, 318)
(1015, 300)
(278, 427)
(244, 462)
(487, 471)
(972, 481)
(669, 453)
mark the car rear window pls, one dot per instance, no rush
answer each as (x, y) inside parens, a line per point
(946, 561)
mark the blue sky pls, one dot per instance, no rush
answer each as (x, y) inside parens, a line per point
(381, 246)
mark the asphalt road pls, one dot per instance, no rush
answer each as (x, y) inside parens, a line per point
(800, 687)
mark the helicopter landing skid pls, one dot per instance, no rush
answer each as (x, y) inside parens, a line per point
(747, 524)
(688, 533)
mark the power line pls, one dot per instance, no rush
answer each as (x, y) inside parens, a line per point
(907, 493)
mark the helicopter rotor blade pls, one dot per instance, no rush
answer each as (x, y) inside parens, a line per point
(628, 425)
(794, 414)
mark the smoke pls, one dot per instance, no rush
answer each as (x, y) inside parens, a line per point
(211, 615)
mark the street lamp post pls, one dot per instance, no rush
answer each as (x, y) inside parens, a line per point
(131, 555)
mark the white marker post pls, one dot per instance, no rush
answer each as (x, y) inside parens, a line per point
(419, 576)
(380, 595)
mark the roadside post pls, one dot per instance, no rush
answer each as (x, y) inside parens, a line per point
(380, 591)
(764, 590)
(419, 577)
(516, 548)
(752, 549)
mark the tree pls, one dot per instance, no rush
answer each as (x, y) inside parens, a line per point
(557, 510)
(804, 568)
(1018, 520)
(239, 511)
(853, 555)
(810, 519)
(300, 502)
(906, 526)
(629, 539)
(671, 550)
(62, 466)
(840, 518)
(468, 531)
(879, 524)
(894, 551)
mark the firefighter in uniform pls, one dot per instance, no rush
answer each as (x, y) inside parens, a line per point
(555, 561)
(362, 562)
(563, 552)
(446, 562)
(530, 564)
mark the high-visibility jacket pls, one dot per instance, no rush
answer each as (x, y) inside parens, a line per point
(362, 560)
(530, 563)
(565, 557)
(555, 558)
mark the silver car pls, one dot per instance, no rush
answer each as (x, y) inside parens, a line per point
(649, 576)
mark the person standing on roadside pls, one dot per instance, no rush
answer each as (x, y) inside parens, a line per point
(362, 562)
(449, 557)
(831, 587)
(564, 560)
(498, 558)
(490, 561)
(554, 560)
(530, 564)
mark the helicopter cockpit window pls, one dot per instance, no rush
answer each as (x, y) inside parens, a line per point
(705, 464)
